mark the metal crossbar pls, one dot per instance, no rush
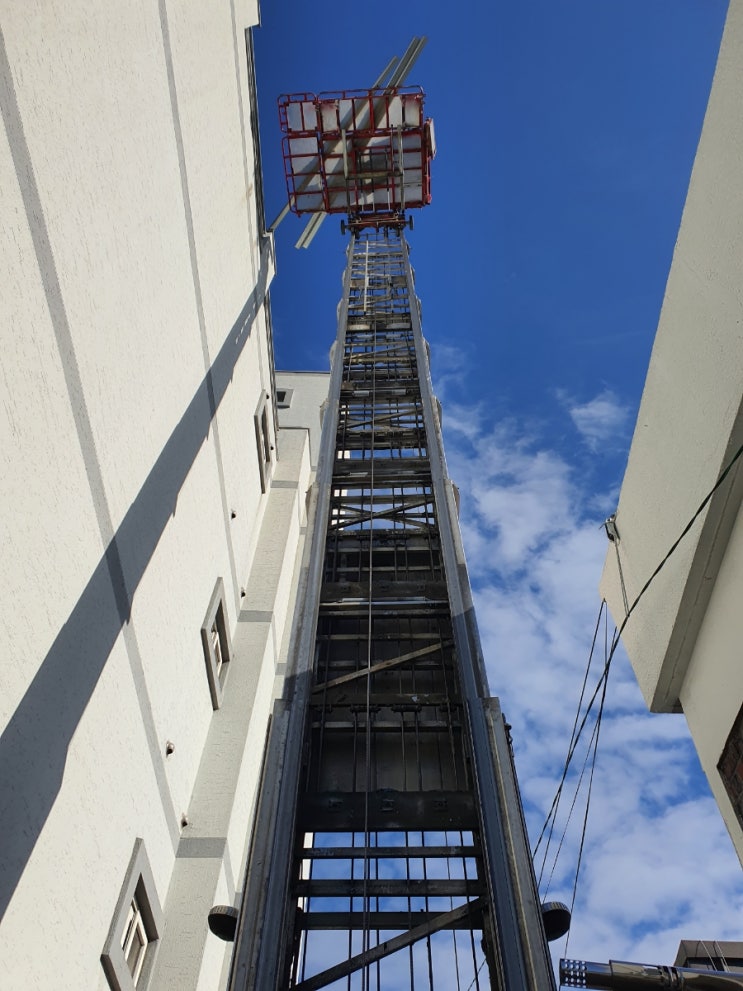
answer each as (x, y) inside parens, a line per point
(386, 751)
(389, 848)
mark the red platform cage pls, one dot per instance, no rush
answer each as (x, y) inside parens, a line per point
(359, 152)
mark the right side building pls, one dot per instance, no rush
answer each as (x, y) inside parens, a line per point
(685, 635)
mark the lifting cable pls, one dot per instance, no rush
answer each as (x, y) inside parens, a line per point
(366, 934)
(603, 682)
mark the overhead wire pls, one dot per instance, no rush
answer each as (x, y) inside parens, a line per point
(589, 750)
(556, 800)
(625, 600)
(602, 683)
(588, 804)
(728, 468)
(477, 974)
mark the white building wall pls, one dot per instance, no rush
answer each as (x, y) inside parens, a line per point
(683, 637)
(712, 692)
(135, 351)
(306, 395)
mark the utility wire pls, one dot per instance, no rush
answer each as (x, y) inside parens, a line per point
(678, 540)
(553, 810)
(591, 747)
(477, 974)
(588, 801)
(603, 679)
(621, 576)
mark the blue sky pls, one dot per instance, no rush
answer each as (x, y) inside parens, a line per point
(566, 135)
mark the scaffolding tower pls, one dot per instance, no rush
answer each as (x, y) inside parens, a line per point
(389, 848)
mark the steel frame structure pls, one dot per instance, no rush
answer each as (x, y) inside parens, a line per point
(364, 153)
(389, 849)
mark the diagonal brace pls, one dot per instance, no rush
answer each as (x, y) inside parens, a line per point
(389, 946)
(382, 665)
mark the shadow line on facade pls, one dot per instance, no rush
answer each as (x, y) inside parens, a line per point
(34, 744)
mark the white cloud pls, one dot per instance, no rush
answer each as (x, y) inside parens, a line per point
(519, 499)
(658, 865)
(601, 421)
(451, 366)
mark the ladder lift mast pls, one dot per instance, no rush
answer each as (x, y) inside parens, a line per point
(389, 848)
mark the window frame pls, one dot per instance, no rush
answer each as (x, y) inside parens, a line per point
(729, 765)
(134, 928)
(138, 907)
(264, 440)
(284, 397)
(217, 661)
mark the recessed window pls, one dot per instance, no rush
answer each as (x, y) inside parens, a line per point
(264, 441)
(215, 640)
(284, 398)
(134, 941)
(730, 766)
(129, 951)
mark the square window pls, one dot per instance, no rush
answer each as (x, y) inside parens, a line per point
(129, 950)
(284, 398)
(215, 640)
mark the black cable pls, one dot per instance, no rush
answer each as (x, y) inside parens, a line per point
(591, 744)
(616, 640)
(556, 800)
(588, 803)
(681, 536)
(604, 679)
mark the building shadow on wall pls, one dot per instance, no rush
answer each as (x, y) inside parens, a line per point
(34, 745)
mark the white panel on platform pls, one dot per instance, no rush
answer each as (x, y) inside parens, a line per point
(328, 117)
(303, 146)
(395, 112)
(345, 114)
(301, 116)
(412, 111)
(310, 202)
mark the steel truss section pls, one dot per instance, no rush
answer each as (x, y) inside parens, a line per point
(389, 848)
(362, 153)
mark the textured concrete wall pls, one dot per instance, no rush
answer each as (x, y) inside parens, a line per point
(135, 351)
(712, 692)
(690, 420)
(309, 394)
(684, 636)
(213, 846)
